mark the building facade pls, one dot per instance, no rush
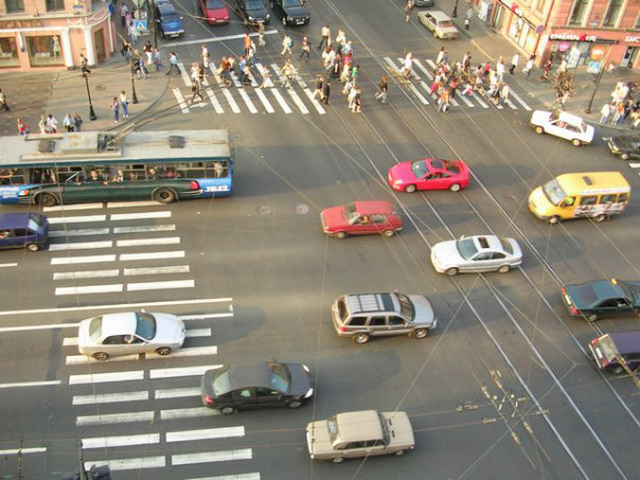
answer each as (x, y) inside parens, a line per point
(51, 34)
(581, 31)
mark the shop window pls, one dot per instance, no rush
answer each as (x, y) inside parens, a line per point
(14, 6)
(613, 12)
(578, 12)
(8, 53)
(54, 5)
(45, 51)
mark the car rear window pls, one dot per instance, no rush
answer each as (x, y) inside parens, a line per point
(221, 381)
(506, 246)
(215, 4)
(342, 309)
(145, 325)
(445, 23)
(279, 377)
(608, 347)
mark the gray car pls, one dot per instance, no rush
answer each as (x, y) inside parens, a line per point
(130, 333)
(479, 253)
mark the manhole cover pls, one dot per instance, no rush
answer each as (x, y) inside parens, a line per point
(302, 209)
(264, 210)
(101, 88)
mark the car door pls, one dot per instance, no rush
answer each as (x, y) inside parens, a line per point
(267, 397)
(381, 223)
(363, 226)
(398, 325)
(612, 306)
(432, 24)
(377, 325)
(480, 262)
(243, 398)
(497, 260)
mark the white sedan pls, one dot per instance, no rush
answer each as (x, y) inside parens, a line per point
(564, 125)
(480, 253)
(130, 333)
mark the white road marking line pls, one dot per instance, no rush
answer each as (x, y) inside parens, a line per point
(479, 100)
(130, 463)
(239, 476)
(84, 360)
(417, 63)
(46, 383)
(236, 82)
(27, 328)
(201, 317)
(128, 306)
(76, 260)
(167, 285)
(70, 341)
(314, 101)
(145, 228)
(498, 106)
(181, 101)
(214, 71)
(634, 165)
(203, 434)
(110, 398)
(148, 241)
(130, 272)
(179, 413)
(205, 457)
(86, 289)
(520, 100)
(252, 108)
(230, 100)
(215, 39)
(181, 371)
(464, 99)
(20, 451)
(281, 101)
(86, 274)
(112, 418)
(432, 64)
(138, 203)
(106, 377)
(186, 352)
(264, 100)
(185, 76)
(54, 247)
(292, 93)
(205, 82)
(141, 215)
(79, 232)
(214, 101)
(261, 69)
(510, 104)
(121, 440)
(417, 93)
(6, 265)
(124, 257)
(79, 219)
(177, 393)
(80, 206)
(198, 332)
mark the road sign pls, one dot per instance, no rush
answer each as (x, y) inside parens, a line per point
(140, 25)
(593, 66)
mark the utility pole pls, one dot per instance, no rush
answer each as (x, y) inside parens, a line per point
(455, 10)
(600, 74)
(154, 23)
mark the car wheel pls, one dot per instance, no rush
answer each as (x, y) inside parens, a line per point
(504, 269)
(33, 247)
(341, 235)
(294, 404)
(227, 410)
(624, 156)
(539, 130)
(337, 459)
(592, 318)
(388, 233)
(420, 333)
(163, 351)
(410, 188)
(600, 218)
(361, 338)
(164, 195)
(46, 200)
(553, 219)
(576, 142)
(100, 356)
(451, 271)
(455, 187)
(399, 453)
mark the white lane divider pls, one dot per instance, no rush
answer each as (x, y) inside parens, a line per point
(20, 451)
(112, 418)
(185, 318)
(214, 101)
(106, 377)
(119, 397)
(130, 463)
(78, 219)
(206, 457)
(139, 216)
(204, 434)
(46, 383)
(181, 371)
(121, 441)
(7, 265)
(180, 99)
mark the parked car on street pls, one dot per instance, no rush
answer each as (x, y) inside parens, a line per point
(423, 3)
(478, 253)
(364, 315)
(613, 351)
(128, 333)
(429, 174)
(258, 385)
(214, 11)
(360, 434)
(169, 22)
(564, 125)
(438, 23)
(602, 298)
(23, 230)
(626, 147)
(253, 12)
(291, 12)
(361, 218)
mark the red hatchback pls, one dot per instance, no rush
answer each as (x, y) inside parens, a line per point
(361, 218)
(215, 12)
(429, 174)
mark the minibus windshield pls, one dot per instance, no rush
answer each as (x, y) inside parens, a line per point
(554, 192)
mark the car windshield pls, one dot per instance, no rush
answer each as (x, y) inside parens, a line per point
(466, 248)
(255, 4)
(291, 3)
(553, 191)
(215, 4)
(351, 213)
(36, 219)
(506, 246)
(406, 306)
(445, 24)
(279, 377)
(172, 17)
(632, 293)
(33, 225)
(419, 169)
(221, 381)
(95, 329)
(608, 347)
(145, 325)
(332, 426)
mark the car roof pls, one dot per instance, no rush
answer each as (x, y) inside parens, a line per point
(14, 220)
(249, 375)
(487, 243)
(438, 15)
(626, 342)
(370, 302)
(118, 324)
(586, 183)
(570, 118)
(371, 207)
(359, 426)
(166, 8)
(604, 289)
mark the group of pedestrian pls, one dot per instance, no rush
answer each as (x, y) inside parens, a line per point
(119, 104)
(623, 105)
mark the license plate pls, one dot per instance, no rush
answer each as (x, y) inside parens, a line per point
(300, 22)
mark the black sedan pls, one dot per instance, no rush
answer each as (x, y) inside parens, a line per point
(253, 12)
(258, 385)
(602, 298)
(291, 12)
(625, 146)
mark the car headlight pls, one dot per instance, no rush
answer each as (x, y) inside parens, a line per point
(268, 16)
(309, 393)
(397, 183)
(251, 19)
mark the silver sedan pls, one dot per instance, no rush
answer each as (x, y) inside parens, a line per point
(130, 333)
(479, 253)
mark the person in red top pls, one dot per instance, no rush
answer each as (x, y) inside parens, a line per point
(247, 44)
(23, 128)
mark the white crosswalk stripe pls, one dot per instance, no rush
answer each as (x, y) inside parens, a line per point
(204, 434)
(185, 75)
(239, 476)
(230, 100)
(294, 96)
(182, 103)
(263, 98)
(121, 441)
(214, 101)
(206, 457)
(130, 463)
(120, 397)
(268, 82)
(281, 101)
(520, 100)
(252, 108)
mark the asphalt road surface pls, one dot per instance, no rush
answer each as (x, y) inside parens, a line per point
(503, 387)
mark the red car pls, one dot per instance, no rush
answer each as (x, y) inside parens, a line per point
(429, 174)
(361, 218)
(214, 11)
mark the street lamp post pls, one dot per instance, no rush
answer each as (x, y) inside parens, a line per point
(92, 113)
(134, 97)
(455, 10)
(600, 74)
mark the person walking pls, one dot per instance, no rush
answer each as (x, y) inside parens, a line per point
(317, 93)
(325, 32)
(3, 101)
(42, 125)
(356, 101)
(287, 43)
(514, 63)
(157, 59)
(23, 128)
(528, 68)
(133, 35)
(68, 123)
(500, 69)
(443, 102)
(326, 91)
(440, 56)
(148, 51)
(123, 14)
(408, 9)
(407, 68)
(504, 93)
(52, 124)
(124, 101)
(467, 18)
(246, 44)
(77, 120)
(605, 113)
(142, 68)
(261, 42)
(305, 47)
(195, 88)
(173, 62)
(115, 106)
(383, 88)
